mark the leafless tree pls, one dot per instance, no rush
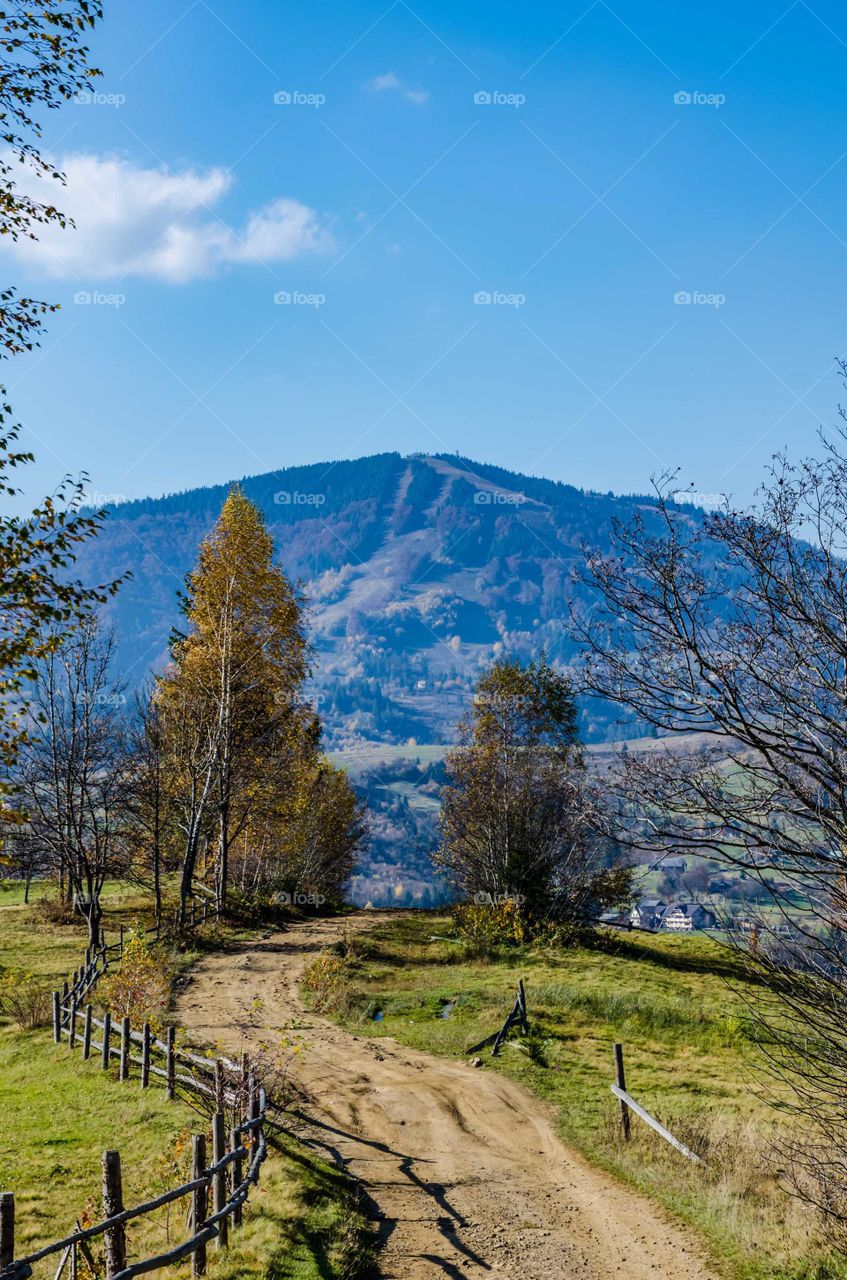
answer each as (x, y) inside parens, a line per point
(732, 629)
(150, 808)
(72, 773)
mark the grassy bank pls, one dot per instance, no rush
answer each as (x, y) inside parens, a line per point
(302, 1222)
(687, 1060)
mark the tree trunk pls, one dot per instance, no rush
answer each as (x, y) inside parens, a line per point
(222, 876)
(93, 919)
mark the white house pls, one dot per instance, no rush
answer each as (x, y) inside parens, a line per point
(685, 916)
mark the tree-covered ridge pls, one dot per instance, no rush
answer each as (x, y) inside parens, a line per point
(416, 571)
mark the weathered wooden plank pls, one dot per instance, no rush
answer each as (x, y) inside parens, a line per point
(198, 1205)
(115, 1236)
(655, 1124)
(7, 1228)
(620, 1081)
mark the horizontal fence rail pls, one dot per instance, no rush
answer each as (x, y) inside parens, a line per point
(628, 1103)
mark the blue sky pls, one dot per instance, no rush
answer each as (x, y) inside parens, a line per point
(582, 166)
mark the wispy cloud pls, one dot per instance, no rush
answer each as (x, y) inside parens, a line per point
(157, 222)
(390, 82)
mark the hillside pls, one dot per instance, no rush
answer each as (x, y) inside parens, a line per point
(416, 570)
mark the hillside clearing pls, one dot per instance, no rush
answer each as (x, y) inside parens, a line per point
(687, 1060)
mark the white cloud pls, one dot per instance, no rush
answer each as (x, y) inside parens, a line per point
(391, 82)
(160, 223)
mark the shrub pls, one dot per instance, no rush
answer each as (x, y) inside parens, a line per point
(491, 924)
(25, 999)
(140, 986)
(325, 978)
(55, 911)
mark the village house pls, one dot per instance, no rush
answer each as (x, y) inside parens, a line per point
(647, 914)
(682, 916)
(676, 865)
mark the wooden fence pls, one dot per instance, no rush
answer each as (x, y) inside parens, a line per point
(497, 1038)
(220, 1082)
(627, 1102)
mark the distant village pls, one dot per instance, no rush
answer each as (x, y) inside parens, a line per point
(680, 912)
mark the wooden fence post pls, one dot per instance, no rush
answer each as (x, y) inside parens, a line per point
(255, 1108)
(72, 1024)
(114, 1237)
(198, 1202)
(57, 1017)
(107, 1036)
(219, 1084)
(252, 1101)
(86, 1033)
(145, 1056)
(620, 1081)
(125, 1043)
(170, 1081)
(245, 1077)
(219, 1184)
(235, 1140)
(7, 1228)
(522, 1006)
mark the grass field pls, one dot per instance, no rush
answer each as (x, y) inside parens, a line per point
(688, 1061)
(60, 1114)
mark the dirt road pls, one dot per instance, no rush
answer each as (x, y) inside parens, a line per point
(463, 1168)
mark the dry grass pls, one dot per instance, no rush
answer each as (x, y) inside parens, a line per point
(674, 1003)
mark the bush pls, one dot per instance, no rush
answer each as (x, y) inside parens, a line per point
(25, 999)
(491, 924)
(140, 986)
(325, 978)
(55, 911)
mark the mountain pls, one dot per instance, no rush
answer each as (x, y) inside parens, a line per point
(417, 571)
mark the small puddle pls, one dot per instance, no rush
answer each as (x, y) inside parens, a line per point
(447, 1008)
